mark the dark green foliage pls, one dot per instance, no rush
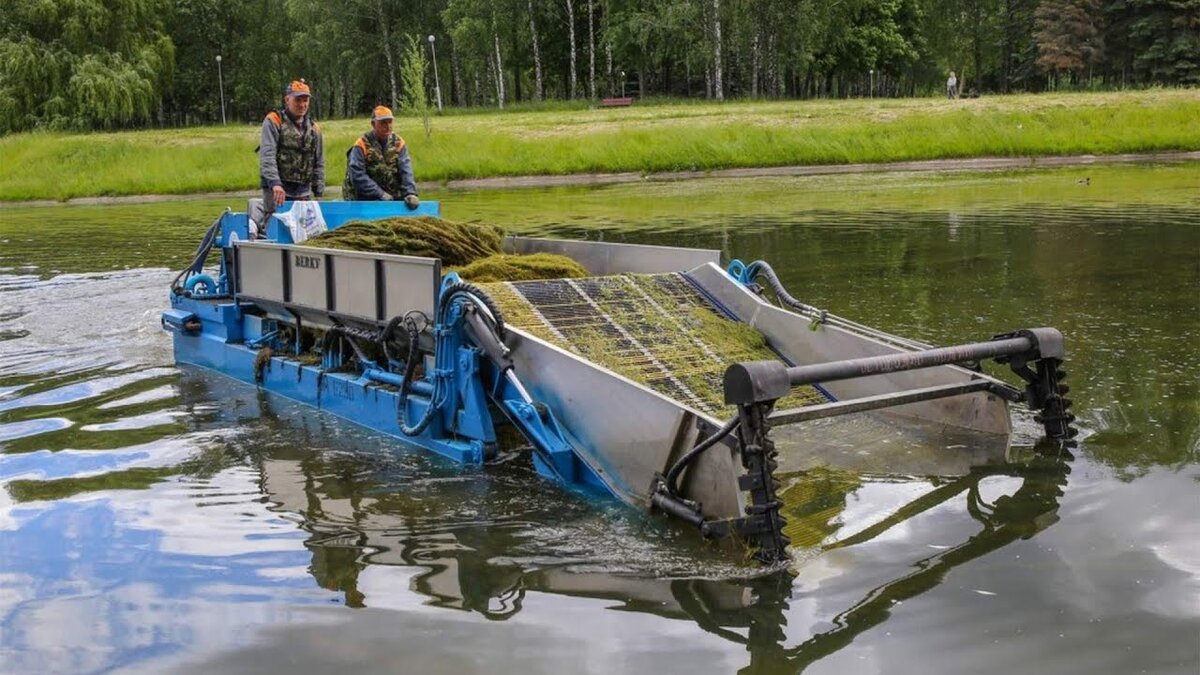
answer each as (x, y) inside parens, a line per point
(106, 64)
(1068, 34)
(1165, 40)
(413, 67)
(82, 63)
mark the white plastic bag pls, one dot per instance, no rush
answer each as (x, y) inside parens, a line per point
(304, 220)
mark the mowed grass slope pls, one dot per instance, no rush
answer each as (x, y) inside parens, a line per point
(644, 138)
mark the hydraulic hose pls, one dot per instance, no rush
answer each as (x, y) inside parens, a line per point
(760, 268)
(492, 315)
(479, 297)
(672, 478)
(410, 369)
(206, 244)
(388, 333)
(414, 354)
(338, 331)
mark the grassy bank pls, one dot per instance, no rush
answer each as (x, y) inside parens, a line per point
(648, 138)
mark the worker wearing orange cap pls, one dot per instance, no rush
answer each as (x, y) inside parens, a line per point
(378, 166)
(291, 154)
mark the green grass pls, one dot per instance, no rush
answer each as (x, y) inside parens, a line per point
(809, 198)
(644, 138)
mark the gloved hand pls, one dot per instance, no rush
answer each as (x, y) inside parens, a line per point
(412, 201)
(385, 198)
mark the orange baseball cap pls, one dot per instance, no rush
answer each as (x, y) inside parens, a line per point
(298, 88)
(381, 113)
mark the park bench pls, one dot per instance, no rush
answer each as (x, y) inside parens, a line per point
(620, 102)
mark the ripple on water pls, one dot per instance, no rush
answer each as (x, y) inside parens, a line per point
(165, 511)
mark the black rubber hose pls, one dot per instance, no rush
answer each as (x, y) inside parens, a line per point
(474, 294)
(410, 369)
(762, 268)
(414, 354)
(337, 332)
(385, 336)
(206, 244)
(388, 335)
(677, 468)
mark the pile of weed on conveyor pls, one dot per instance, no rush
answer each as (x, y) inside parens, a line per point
(474, 251)
(454, 243)
(502, 267)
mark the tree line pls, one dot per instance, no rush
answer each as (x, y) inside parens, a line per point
(99, 64)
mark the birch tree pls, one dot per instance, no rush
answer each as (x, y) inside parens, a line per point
(571, 33)
(591, 50)
(385, 36)
(718, 86)
(539, 89)
(499, 63)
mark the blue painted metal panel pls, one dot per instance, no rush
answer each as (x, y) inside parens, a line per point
(176, 319)
(229, 344)
(234, 226)
(347, 396)
(337, 214)
(219, 320)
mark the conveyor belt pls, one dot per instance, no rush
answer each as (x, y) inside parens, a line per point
(658, 330)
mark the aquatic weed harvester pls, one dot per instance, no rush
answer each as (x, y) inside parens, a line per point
(637, 381)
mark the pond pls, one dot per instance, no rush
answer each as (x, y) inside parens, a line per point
(158, 519)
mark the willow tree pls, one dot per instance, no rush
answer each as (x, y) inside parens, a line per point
(83, 64)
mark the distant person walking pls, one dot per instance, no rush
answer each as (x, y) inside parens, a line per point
(291, 154)
(952, 86)
(378, 167)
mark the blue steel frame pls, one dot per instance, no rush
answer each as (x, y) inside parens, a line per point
(213, 330)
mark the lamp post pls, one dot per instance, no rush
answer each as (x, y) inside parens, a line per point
(872, 72)
(437, 85)
(622, 84)
(221, 85)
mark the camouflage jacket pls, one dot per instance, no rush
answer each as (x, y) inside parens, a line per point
(292, 155)
(373, 169)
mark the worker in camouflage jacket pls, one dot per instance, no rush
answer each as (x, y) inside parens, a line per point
(378, 166)
(291, 154)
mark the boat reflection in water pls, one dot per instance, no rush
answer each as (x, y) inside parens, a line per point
(483, 540)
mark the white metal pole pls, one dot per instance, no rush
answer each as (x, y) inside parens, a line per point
(221, 85)
(437, 84)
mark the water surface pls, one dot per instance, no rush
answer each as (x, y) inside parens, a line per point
(155, 519)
